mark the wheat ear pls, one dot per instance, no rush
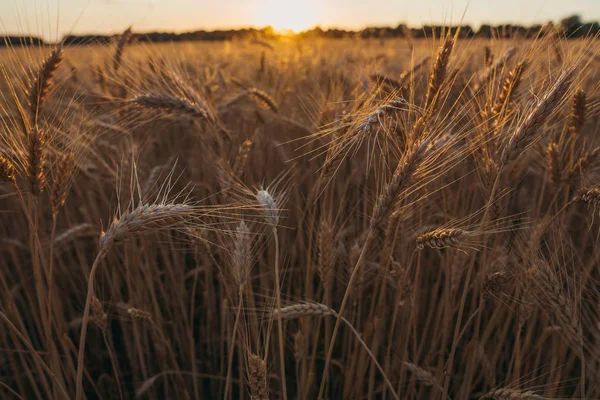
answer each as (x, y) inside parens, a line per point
(171, 104)
(36, 158)
(257, 377)
(511, 83)
(526, 133)
(40, 86)
(123, 40)
(441, 237)
(438, 74)
(578, 112)
(7, 170)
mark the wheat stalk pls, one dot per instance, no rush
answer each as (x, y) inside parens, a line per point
(143, 219)
(309, 308)
(407, 74)
(586, 162)
(488, 56)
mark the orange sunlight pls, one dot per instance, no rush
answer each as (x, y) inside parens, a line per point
(286, 15)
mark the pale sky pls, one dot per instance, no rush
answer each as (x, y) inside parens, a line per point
(53, 18)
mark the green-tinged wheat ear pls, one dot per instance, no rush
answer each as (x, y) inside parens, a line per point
(40, 86)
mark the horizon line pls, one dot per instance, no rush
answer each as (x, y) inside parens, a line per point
(475, 26)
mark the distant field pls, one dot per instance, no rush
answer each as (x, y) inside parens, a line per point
(302, 219)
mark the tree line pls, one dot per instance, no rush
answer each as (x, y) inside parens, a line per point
(571, 27)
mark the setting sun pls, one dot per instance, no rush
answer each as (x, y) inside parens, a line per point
(288, 15)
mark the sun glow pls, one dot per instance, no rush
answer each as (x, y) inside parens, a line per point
(285, 15)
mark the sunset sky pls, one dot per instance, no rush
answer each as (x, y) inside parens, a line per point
(53, 18)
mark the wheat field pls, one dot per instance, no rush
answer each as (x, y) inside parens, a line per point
(301, 219)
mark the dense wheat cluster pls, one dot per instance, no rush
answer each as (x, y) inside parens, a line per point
(301, 219)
